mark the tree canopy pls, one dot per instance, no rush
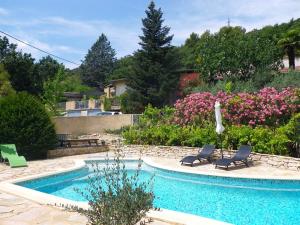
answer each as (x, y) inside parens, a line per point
(234, 54)
(154, 77)
(5, 85)
(124, 68)
(98, 63)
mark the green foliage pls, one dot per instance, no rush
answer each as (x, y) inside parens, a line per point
(107, 104)
(123, 69)
(263, 140)
(171, 135)
(236, 136)
(188, 52)
(115, 197)
(5, 86)
(53, 92)
(154, 78)
(45, 69)
(234, 54)
(24, 122)
(117, 131)
(26, 75)
(226, 86)
(292, 130)
(291, 43)
(153, 116)
(73, 83)
(126, 104)
(6, 48)
(98, 63)
(22, 72)
(259, 80)
(157, 127)
(290, 79)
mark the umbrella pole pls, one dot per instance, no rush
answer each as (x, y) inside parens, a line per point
(222, 156)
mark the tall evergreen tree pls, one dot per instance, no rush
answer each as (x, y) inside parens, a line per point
(154, 78)
(98, 63)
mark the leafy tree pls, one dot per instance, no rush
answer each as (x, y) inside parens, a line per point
(98, 63)
(234, 54)
(189, 52)
(154, 78)
(53, 92)
(22, 73)
(123, 69)
(45, 69)
(73, 83)
(6, 48)
(291, 42)
(5, 86)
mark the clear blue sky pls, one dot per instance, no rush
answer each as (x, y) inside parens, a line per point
(68, 28)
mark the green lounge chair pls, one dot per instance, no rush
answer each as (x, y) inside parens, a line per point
(8, 152)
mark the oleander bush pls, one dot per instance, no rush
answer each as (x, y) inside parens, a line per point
(25, 122)
(268, 107)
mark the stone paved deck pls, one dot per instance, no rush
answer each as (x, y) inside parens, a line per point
(19, 211)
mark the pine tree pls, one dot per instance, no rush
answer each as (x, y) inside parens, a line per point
(98, 63)
(154, 76)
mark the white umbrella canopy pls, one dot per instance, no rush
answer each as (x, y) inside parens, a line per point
(219, 128)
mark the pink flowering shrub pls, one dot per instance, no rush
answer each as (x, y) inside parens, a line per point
(267, 107)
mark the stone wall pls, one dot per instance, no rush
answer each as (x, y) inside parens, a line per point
(76, 151)
(92, 124)
(178, 152)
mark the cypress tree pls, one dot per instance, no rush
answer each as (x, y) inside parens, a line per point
(154, 78)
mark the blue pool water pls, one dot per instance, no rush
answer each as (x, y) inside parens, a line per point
(235, 200)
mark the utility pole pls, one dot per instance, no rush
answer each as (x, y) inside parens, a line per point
(228, 22)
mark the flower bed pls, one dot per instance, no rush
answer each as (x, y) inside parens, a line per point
(266, 107)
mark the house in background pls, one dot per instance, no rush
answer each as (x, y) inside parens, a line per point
(111, 93)
(115, 88)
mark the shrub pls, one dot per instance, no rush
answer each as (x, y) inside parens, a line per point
(263, 140)
(236, 135)
(25, 122)
(154, 116)
(116, 197)
(292, 130)
(283, 80)
(117, 131)
(171, 135)
(267, 107)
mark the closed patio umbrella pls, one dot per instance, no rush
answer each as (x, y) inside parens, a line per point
(219, 128)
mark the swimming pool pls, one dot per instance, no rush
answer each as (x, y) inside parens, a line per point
(238, 201)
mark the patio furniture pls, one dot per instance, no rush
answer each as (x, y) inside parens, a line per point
(205, 153)
(66, 140)
(241, 155)
(8, 152)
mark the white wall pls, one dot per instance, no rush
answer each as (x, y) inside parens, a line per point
(286, 62)
(120, 88)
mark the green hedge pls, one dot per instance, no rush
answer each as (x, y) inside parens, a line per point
(263, 140)
(25, 122)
